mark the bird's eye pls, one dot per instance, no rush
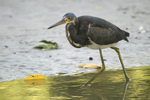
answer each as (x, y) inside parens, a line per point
(69, 18)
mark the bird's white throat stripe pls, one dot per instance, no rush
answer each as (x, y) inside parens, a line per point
(72, 42)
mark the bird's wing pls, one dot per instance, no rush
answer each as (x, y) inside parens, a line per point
(104, 36)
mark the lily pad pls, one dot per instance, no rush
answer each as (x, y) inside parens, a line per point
(47, 46)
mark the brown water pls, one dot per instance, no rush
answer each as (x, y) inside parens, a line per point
(108, 86)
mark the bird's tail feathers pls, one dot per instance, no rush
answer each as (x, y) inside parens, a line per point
(126, 35)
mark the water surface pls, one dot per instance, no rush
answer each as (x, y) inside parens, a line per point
(110, 85)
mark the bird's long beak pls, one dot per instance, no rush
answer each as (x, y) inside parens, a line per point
(58, 23)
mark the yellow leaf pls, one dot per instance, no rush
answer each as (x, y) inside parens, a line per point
(35, 79)
(90, 66)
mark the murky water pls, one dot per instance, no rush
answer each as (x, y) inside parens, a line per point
(108, 86)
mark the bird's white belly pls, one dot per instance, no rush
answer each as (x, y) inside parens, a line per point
(97, 46)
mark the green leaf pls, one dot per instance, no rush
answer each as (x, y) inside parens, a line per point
(47, 46)
(48, 42)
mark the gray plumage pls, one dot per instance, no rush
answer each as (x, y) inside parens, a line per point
(96, 29)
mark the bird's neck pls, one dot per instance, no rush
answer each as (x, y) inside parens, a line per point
(76, 23)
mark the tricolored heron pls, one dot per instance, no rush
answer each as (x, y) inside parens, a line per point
(94, 33)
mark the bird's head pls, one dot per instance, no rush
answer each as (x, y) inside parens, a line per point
(67, 18)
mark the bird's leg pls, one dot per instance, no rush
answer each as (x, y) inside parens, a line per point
(118, 52)
(99, 72)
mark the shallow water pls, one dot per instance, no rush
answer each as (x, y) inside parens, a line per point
(108, 86)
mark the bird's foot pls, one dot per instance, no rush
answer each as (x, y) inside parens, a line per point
(127, 79)
(90, 66)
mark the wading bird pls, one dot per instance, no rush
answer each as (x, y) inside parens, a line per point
(94, 33)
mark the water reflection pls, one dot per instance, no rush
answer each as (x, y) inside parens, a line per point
(108, 86)
(105, 98)
(34, 82)
(125, 89)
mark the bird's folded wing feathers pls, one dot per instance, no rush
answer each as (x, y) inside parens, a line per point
(103, 36)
